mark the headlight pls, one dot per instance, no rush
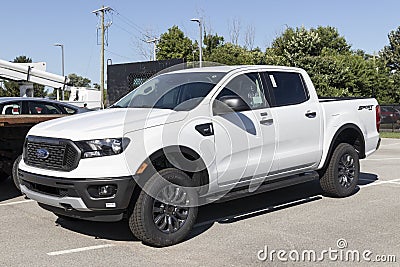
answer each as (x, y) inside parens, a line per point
(102, 147)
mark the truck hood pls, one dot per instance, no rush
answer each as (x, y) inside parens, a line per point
(109, 123)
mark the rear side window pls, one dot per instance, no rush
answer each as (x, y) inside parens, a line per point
(288, 88)
(11, 108)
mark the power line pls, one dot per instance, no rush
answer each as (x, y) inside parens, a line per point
(118, 55)
(125, 30)
(132, 24)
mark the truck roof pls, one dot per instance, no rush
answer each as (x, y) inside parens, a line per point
(227, 69)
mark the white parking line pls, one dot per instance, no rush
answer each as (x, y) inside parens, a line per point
(381, 159)
(390, 144)
(16, 202)
(395, 181)
(75, 250)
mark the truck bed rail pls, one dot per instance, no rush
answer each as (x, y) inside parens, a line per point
(25, 120)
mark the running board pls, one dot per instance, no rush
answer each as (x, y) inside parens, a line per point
(270, 185)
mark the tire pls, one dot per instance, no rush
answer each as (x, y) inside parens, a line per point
(163, 223)
(341, 176)
(15, 172)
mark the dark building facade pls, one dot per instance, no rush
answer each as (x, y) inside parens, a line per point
(123, 78)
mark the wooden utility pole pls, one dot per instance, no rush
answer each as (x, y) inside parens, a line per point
(102, 11)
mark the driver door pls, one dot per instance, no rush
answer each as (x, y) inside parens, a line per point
(244, 140)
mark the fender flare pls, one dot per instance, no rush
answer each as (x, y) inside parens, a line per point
(360, 146)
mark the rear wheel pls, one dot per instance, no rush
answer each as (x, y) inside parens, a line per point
(341, 176)
(166, 209)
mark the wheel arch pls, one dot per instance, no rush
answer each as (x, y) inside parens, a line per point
(179, 157)
(350, 134)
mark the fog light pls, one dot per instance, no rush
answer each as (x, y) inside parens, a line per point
(107, 190)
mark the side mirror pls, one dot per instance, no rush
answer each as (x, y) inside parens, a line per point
(229, 104)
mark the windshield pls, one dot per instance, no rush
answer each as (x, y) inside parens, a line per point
(176, 91)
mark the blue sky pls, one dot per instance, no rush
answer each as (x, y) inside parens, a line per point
(32, 27)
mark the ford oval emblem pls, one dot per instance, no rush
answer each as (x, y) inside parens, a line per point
(42, 153)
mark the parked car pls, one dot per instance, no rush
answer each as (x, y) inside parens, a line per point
(36, 106)
(16, 118)
(389, 115)
(192, 136)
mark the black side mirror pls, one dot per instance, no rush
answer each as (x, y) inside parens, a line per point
(229, 104)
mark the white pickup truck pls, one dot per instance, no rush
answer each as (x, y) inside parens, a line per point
(194, 136)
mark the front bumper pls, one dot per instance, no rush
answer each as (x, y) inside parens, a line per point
(70, 197)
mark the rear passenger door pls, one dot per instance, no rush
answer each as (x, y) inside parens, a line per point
(297, 120)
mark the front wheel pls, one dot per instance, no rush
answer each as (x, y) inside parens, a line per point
(166, 209)
(341, 176)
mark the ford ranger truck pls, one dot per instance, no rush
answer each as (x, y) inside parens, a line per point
(194, 136)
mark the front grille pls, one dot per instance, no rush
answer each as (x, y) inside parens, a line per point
(55, 154)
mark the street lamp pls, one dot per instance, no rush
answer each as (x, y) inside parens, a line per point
(201, 40)
(62, 62)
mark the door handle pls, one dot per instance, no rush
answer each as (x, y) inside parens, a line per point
(267, 122)
(311, 114)
(264, 113)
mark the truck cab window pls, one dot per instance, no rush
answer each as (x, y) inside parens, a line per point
(287, 87)
(249, 88)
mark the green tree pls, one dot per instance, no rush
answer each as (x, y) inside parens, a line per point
(390, 56)
(391, 52)
(212, 42)
(78, 81)
(11, 88)
(22, 59)
(297, 43)
(231, 54)
(333, 67)
(174, 44)
(330, 39)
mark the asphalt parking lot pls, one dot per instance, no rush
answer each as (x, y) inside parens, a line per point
(243, 232)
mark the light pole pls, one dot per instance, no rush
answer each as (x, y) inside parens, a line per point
(154, 41)
(201, 41)
(62, 63)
